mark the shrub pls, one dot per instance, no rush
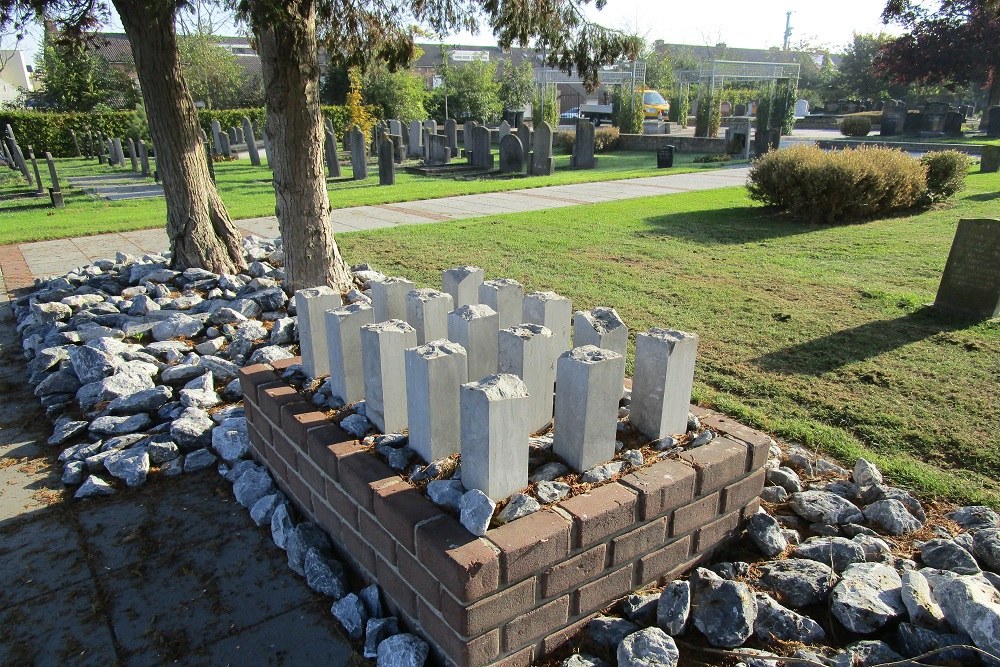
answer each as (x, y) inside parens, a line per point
(606, 139)
(562, 141)
(946, 172)
(855, 125)
(840, 186)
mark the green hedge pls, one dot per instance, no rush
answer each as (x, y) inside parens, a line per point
(50, 131)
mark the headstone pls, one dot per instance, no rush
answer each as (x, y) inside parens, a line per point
(427, 311)
(144, 158)
(482, 150)
(395, 127)
(233, 137)
(119, 152)
(989, 162)
(414, 140)
(251, 142)
(310, 306)
(389, 298)
(359, 153)
(462, 283)
(133, 159)
(55, 194)
(504, 295)
(398, 148)
(384, 366)
(524, 133)
(88, 145)
(542, 162)
(662, 381)
(99, 147)
(216, 132)
(586, 406)
(437, 150)
(7, 156)
(503, 130)
(343, 345)
(451, 136)
(239, 135)
(435, 373)
(801, 108)
(386, 161)
(583, 146)
(431, 126)
(553, 311)
(953, 124)
(494, 435)
(475, 328)
(893, 118)
(992, 117)
(971, 281)
(526, 350)
(18, 156)
(330, 152)
(511, 154)
(225, 150)
(39, 188)
(467, 128)
(76, 143)
(912, 124)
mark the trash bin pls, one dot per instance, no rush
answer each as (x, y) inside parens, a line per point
(513, 117)
(665, 157)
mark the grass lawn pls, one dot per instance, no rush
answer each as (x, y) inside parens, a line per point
(247, 193)
(979, 139)
(816, 334)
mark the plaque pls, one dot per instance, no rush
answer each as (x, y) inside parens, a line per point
(971, 281)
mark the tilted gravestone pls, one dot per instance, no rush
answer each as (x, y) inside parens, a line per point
(131, 154)
(971, 281)
(583, 146)
(451, 136)
(414, 139)
(542, 162)
(267, 149)
(912, 124)
(511, 154)
(76, 144)
(233, 138)
(438, 152)
(358, 153)
(34, 166)
(482, 151)
(55, 194)
(330, 151)
(251, 142)
(992, 118)
(386, 166)
(144, 157)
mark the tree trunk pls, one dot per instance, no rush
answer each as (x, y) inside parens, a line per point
(994, 85)
(288, 52)
(198, 225)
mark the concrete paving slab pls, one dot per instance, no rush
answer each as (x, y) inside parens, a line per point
(39, 557)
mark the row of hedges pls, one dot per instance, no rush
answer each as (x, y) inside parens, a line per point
(844, 186)
(605, 140)
(50, 131)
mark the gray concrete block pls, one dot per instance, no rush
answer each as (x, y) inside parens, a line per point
(526, 351)
(661, 384)
(476, 328)
(494, 435)
(382, 359)
(310, 304)
(553, 311)
(435, 373)
(603, 328)
(389, 298)
(427, 311)
(343, 344)
(505, 296)
(462, 283)
(586, 406)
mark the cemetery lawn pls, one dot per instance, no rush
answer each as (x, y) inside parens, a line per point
(248, 193)
(815, 334)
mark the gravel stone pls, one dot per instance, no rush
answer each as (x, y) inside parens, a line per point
(838, 551)
(975, 517)
(130, 467)
(147, 400)
(351, 614)
(73, 472)
(602, 473)
(869, 652)
(120, 425)
(231, 439)
(641, 608)
(651, 647)
(192, 430)
(673, 607)
(378, 630)
(551, 492)
(947, 555)
(609, 631)
(178, 325)
(446, 493)
(281, 525)
(765, 533)
(372, 601)
(357, 425)
(868, 597)
(476, 510)
(199, 459)
(724, 611)
(549, 472)
(263, 509)
(915, 640)
(892, 517)
(253, 485)
(91, 364)
(520, 505)
(786, 478)
(66, 429)
(324, 574)
(776, 622)
(774, 494)
(866, 474)
(972, 607)
(919, 602)
(303, 537)
(584, 660)
(403, 650)
(92, 487)
(986, 547)
(798, 582)
(825, 507)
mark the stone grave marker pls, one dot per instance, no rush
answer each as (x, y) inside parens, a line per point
(431, 126)
(330, 153)
(953, 124)
(467, 129)
(992, 118)
(524, 134)
(144, 157)
(209, 158)
(451, 136)
(55, 193)
(482, 151)
(34, 166)
(216, 132)
(971, 281)
(225, 150)
(438, 152)
(251, 142)
(119, 152)
(989, 163)
(542, 162)
(267, 150)
(395, 127)
(665, 155)
(133, 159)
(912, 124)
(8, 158)
(76, 144)
(233, 138)
(503, 130)
(414, 143)
(358, 153)
(99, 148)
(583, 146)
(511, 154)
(386, 164)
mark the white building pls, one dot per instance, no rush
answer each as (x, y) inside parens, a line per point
(15, 75)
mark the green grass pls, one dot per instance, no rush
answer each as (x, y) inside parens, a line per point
(816, 334)
(248, 193)
(980, 139)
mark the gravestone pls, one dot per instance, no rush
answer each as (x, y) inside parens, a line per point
(19, 160)
(665, 156)
(467, 129)
(99, 148)
(133, 160)
(395, 127)
(511, 154)
(482, 151)
(801, 108)
(451, 136)
(414, 140)
(386, 166)
(953, 124)
(398, 148)
(55, 193)
(216, 131)
(542, 162)
(88, 150)
(8, 158)
(76, 144)
(330, 151)
(740, 110)
(583, 146)
(144, 157)
(431, 126)
(503, 130)
(426, 139)
(934, 117)
(119, 152)
(34, 166)
(438, 151)
(989, 163)
(893, 118)
(524, 134)
(358, 153)
(992, 118)
(913, 123)
(251, 142)
(971, 281)
(233, 137)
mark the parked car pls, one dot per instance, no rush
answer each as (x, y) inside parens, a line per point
(570, 114)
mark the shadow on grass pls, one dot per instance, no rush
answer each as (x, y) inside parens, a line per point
(984, 196)
(732, 225)
(860, 343)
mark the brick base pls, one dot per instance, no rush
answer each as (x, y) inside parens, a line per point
(525, 588)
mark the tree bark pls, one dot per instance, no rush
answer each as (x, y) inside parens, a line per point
(199, 228)
(288, 48)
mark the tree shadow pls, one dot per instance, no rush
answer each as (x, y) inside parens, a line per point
(838, 349)
(985, 196)
(728, 226)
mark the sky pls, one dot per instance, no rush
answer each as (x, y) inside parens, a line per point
(737, 23)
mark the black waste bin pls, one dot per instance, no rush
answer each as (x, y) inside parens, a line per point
(513, 117)
(665, 157)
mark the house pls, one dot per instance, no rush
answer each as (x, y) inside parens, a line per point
(15, 75)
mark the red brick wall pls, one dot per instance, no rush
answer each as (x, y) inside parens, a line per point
(526, 587)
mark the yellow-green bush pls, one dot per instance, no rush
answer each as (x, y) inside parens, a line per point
(856, 125)
(946, 172)
(606, 139)
(837, 186)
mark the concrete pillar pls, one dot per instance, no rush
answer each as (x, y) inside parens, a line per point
(389, 298)
(503, 295)
(494, 435)
(603, 328)
(476, 328)
(589, 381)
(462, 283)
(526, 351)
(435, 373)
(382, 359)
(310, 304)
(427, 311)
(661, 385)
(343, 343)
(552, 311)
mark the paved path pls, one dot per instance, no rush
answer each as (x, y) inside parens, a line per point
(20, 264)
